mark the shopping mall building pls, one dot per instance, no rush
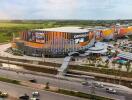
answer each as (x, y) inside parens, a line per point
(54, 42)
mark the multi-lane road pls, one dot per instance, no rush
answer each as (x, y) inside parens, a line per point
(122, 95)
(17, 90)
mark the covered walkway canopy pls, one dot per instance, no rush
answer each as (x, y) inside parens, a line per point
(73, 54)
(98, 48)
(97, 51)
(125, 55)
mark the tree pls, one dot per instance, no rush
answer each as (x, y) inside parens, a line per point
(107, 62)
(128, 66)
(92, 90)
(47, 85)
(113, 64)
(120, 66)
(89, 60)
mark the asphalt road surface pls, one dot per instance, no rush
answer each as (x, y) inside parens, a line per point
(17, 90)
(122, 95)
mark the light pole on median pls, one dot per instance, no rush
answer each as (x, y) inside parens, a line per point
(8, 62)
(92, 90)
(43, 57)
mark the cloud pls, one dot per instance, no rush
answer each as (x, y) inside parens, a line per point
(65, 9)
(55, 9)
(3, 15)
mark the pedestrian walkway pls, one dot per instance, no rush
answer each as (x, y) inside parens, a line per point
(64, 65)
(4, 47)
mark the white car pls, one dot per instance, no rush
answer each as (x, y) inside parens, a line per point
(111, 90)
(36, 93)
(98, 84)
(85, 83)
(34, 99)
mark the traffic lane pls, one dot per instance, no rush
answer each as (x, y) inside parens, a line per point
(41, 79)
(102, 92)
(127, 96)
(16, 91)
(56, 82)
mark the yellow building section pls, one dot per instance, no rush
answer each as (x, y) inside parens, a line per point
(13, 45)
(107, 32)
(129, 29)
(34, 45)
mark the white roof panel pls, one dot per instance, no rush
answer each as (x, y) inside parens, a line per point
(65, 29)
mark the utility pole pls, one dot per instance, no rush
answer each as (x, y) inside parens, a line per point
(92, 91)
(13, 37)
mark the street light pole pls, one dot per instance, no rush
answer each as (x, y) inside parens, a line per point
(92, 91)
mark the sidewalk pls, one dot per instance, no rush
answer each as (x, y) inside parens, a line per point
(3, 47)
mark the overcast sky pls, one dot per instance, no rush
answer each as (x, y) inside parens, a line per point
(65, 9)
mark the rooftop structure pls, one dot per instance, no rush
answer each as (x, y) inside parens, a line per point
(65, 29)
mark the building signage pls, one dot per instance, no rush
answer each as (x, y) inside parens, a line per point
(79, 40)
(80, 35)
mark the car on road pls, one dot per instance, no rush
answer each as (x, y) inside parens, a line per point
(99, 85)
(24, 97)
(111, 90)
(85, 83)
(33, 80)
(3, 94)
(34, 99)
(35, 94)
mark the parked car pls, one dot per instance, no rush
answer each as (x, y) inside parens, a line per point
(111, 90)
(35, 94)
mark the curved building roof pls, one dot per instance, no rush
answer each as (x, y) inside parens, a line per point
(65, 29)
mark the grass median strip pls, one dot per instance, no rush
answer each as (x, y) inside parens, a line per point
(79, 94)
(85, 67)
(102, 70)
(3, 79)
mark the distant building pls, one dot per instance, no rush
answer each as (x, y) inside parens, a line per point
(54, 42)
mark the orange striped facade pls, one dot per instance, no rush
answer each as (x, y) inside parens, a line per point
(54, 42)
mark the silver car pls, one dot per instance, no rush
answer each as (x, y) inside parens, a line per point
(111, 90)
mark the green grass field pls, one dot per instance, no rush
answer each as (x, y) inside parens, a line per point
(4, 38)
(8, 28)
